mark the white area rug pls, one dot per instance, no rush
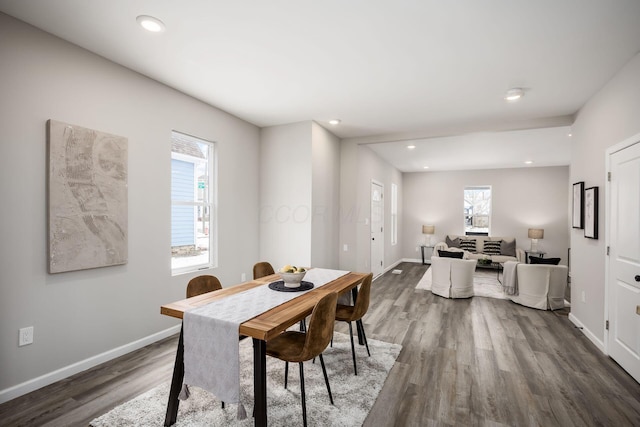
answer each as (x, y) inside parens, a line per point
(485, 283)
(353, 395)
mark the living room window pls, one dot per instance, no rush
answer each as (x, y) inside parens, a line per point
(193, 210)
(477, 210)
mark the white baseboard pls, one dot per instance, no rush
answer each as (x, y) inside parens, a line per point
(67, 371)
(598, 343)
(415, 260)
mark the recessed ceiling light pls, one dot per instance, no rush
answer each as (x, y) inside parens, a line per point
(425, 167)
(334, 122)
(150, 23)
(569, 134)
(514, 94)
(411, 147)
(528, 162)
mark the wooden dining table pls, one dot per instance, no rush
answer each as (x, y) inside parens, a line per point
(261, 329)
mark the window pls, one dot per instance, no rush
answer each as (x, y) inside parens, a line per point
(394, 214)
(477, 210)
(193, 210)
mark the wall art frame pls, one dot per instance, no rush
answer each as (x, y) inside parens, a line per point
(87, 198)
(578, 205)
(591, 213)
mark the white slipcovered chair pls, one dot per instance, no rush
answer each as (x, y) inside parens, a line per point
(541, 286)
(452, 277)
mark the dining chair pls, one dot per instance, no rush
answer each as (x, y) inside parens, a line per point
(294, 346)
(354, 313)
(202, 284)
(262, 269)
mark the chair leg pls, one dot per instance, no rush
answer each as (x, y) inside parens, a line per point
(353, 350)
(364, 336)
(303, 325)
(222, 405)
(326, 379)
(286, 374)
(304, 402)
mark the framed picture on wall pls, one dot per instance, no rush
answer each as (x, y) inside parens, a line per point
(578, 205)
(591, 213)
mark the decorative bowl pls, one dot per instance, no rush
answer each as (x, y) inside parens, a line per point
(292, 280)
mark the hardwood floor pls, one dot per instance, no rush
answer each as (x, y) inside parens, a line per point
(475, 361)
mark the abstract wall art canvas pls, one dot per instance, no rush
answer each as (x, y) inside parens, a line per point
(87, 198)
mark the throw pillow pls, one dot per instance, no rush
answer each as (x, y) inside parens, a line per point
(468, 245)
(448, 254)
(491, 247)
(455, 243)
(539, 260)
(508, 248)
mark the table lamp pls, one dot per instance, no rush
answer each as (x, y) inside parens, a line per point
(534, 235)
(429, 230)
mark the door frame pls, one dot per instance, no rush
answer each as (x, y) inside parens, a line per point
(633, 140)
(376, 182)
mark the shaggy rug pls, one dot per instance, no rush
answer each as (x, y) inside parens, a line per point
(485, 283)
(353, 395)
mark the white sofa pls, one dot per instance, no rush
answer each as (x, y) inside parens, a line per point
(540, 286)
(509, 251)
(451, 277)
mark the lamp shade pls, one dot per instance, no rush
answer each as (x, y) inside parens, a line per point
(536, 233)
(428, 229)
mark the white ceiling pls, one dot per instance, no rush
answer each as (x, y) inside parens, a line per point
(392, 70)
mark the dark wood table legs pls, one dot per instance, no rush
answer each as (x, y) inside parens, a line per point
(176, 384)
(354, 294)
(260, 382)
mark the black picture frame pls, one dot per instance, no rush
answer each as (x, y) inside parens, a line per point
(578, 205)
(591, 213)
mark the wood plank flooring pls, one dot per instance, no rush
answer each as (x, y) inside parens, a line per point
(468, 362)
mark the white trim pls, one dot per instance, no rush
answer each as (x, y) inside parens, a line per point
(594, 339)
(391, 267)
(67, 371)
(635, 139)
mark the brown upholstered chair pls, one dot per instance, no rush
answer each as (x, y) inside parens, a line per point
(262, 269)
(202, 284)
(354, 313)
(293, 346)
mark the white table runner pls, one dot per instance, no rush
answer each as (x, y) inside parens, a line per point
(210, 333)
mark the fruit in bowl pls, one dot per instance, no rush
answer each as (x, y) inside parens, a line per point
(292, 275)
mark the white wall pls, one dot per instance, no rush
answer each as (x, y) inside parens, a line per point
(78, 315)
(359, 166)
(522, 198)
(609, 117)
(299, 188)
(286, 194)
(325, 193)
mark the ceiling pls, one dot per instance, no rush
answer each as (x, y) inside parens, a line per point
(389, 70)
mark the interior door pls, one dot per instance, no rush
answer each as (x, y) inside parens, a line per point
(623, 339)
(377, 224)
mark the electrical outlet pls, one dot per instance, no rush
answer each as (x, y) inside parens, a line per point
(243, 277)
(345, 247)
(25, 336)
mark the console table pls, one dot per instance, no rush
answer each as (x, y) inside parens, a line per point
(427, 252)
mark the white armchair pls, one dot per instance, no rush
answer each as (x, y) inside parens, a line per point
(452, 277)
(541, 286)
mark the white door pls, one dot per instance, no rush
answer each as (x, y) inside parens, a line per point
(377, 222)
(623, 339)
